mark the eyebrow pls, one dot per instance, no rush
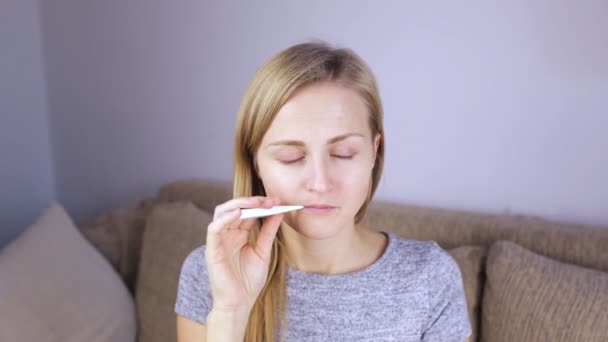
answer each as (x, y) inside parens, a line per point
(329, 142)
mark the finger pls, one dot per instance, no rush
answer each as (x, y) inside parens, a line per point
(248, 224)
(223, 222)
(233, 204)
(263, 245)
(241, 202)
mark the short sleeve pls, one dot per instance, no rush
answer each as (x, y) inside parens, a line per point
(447, 318)
(193, 292)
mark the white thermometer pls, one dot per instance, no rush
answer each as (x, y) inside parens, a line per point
(261, 212)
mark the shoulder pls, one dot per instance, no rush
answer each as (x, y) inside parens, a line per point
(442, 287)
(194, 264)
(195, 256)
(194, 299)
(426, 256)
(420, 251)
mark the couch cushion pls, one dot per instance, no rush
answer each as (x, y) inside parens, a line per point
(172, 231)
(117, 235)
(205, 194)
(529, 297)
(54, 286)
(470, 260)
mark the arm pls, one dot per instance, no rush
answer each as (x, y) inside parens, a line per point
(221, 326)
(221, 281)
(190, 331)
(226, 326)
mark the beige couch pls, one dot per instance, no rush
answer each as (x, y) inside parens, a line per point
(526, 279)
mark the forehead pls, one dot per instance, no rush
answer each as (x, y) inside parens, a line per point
(320, 111)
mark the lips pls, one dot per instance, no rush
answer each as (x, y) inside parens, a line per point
(319, 206)
(318, 209)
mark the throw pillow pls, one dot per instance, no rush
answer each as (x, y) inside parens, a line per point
(172, 231)
(470, 260)
(530, 297)
(55, 286)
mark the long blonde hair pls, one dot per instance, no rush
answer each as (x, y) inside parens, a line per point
(271, 86)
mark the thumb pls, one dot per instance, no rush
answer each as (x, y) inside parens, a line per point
(268, 232)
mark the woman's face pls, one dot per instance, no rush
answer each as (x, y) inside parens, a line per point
(319, 152)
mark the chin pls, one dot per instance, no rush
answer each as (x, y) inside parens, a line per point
(315, 228)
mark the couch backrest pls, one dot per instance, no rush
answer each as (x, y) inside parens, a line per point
(579, 244)
(117, 234)
(585, 245)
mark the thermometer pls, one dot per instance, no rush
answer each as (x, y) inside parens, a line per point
(262, 212)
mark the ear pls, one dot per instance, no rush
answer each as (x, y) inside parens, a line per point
(256, 169)
(256, 174)
(377, 140)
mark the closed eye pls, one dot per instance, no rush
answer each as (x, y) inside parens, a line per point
(293, 161)
(344, 157)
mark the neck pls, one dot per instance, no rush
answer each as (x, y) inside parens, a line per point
(351, 249)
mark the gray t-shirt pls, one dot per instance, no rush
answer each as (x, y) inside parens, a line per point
(413, 292)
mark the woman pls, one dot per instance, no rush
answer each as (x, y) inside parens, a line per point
(309, 132)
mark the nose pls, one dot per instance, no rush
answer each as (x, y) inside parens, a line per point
(319, 176)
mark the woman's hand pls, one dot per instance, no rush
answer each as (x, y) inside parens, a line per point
(238, 270)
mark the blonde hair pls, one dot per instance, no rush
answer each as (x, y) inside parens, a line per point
(270, 88)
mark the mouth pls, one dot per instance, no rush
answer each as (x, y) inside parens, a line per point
(318, 209)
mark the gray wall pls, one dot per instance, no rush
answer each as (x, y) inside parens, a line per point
(489, 107)
(26, 176)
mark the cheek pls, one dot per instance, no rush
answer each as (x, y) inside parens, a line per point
(356, 184)
(278, 182)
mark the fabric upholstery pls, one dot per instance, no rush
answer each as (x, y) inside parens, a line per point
(575, 243)
(529, 297)
(172, 231)
(54, 286)
(466, 235)
(117, 234)
(206, 194)
(470, 260)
